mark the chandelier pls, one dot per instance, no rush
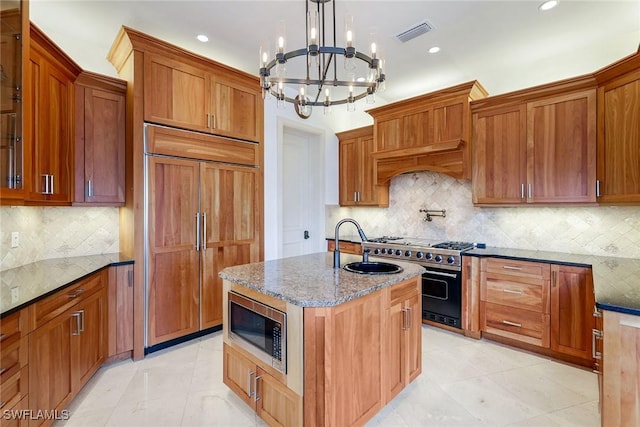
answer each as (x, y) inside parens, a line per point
(326, 82)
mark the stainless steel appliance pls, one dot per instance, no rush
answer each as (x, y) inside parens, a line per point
(259, 329)
(442, 280)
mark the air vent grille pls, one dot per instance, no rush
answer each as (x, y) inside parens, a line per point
(413, 32)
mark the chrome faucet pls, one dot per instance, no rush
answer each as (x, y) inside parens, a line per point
(336, 251)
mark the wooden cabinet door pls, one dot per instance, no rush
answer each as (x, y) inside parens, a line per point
(572, 302)
(414, 337)
(388, 134)
(367, 189)
(88, 338)
(499, 151)
(175, 93)
(449, 121)
(619, 140)
(120, 306)
(49, 121)
(229, 207)
(394, 379)
(417, 129)
(236, 109)
(621, 371)
(275, 403)
(349, 171)
(100, 145)
(238, 373)
(50, 382)
(174, 288)
(561, 149)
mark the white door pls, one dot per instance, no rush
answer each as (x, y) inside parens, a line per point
(302, 193)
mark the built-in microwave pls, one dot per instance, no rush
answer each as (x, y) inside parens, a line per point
(259, 329)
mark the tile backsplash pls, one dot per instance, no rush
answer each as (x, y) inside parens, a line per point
(603, 230)
(55, 232)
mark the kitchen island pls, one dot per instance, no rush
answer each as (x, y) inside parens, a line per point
(353, 341)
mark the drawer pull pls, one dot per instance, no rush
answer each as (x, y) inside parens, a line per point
(511, 291)
(2, 336)
(517, 325)
(2, 370)
(2, 404)
(76, 294)
(509, 267)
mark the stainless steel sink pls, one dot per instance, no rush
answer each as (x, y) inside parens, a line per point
(373, 267)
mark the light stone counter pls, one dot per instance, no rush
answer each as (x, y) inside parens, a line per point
(616, 281)
(311, 280)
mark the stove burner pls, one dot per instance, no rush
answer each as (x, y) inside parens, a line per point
(384, 239)
(454, 246)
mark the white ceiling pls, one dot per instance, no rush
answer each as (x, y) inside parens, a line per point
(506, 45)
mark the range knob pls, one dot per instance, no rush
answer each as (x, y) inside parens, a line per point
(419, 255)
(398, 252)
(383, 250)
(376, 251)
(429, 255)
(451, 260)
(438, 258)
(407, 253)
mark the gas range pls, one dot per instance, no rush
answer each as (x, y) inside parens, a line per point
(446, 255)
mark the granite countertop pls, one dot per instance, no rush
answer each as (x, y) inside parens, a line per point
(616, 281)
(311, 280)
(41, 278)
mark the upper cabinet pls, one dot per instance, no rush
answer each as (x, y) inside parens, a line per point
(536, 145)
(14, 19)
(619, 132)
(357, 179)
(427, 132)
(48, 125)
(99, 140)
(202, 98)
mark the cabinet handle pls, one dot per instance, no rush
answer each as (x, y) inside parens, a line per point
(405, 322)
(213, 117)
(355, 196)
(208, 120)
(130, 278)
(255, 388)
(596, 335)
(76, 293)
(522, 191)
(509, 267)
(2, 336)
(530, 191)
(76, 315)
(249, 382)
(204, 231)
(596, 312)
(517, 325)
(598, 194)
(2, 404)
(81, 320)
(554, 278)
(409, 318)
(2, 370)
(511, 291)
(89, 188)
(197, 245)
(48, 183)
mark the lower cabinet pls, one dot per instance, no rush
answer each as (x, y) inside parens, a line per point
(542, 307)
(402, 361)
(273, 401)
(621, 369)
(120, 310)
(14, 368)
(66, 349)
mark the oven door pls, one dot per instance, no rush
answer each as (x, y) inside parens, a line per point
(442, 296)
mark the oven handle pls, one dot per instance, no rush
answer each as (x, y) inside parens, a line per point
(439, 273)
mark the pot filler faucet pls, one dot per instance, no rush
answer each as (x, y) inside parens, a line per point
(336, 251)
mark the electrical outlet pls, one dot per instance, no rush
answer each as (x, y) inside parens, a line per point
(15, 239)
(15, 295)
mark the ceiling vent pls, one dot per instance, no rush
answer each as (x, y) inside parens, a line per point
(413, 32)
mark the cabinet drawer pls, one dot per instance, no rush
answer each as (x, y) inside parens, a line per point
(516, 268)
(402, 291)
(521, 325)
(532, 296)
(57, 303)
(9, 326)
(346, 247)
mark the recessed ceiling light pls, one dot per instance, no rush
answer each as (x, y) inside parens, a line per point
(549, 4)
(360, 79)
(202, 38)
(434, 49)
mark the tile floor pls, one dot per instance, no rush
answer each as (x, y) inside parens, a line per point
(464, 382)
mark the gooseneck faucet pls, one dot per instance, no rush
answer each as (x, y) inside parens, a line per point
(336, 251)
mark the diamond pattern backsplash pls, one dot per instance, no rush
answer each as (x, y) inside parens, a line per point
(55, 232)
(605, 231)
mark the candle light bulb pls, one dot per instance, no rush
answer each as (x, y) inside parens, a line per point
(349, 38)
(281, 43)
(373, 50)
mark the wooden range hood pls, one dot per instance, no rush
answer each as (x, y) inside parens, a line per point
(427, 132)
